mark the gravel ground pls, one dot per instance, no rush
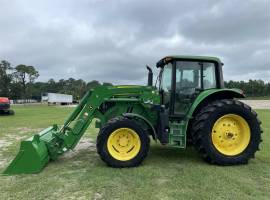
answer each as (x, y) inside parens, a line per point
(258, 104)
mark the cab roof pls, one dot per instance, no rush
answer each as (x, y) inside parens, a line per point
(167, 59)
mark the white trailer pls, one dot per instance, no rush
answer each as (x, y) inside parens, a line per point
(56, 98)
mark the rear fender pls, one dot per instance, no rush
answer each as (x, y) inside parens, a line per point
(212, 95)
(207, 96)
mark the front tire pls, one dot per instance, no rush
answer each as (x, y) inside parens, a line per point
(122, 142)
(226, 132)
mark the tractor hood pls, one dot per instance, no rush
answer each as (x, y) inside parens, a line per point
(134, 92)
(131, 89)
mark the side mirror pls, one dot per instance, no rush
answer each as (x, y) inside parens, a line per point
(150, 76)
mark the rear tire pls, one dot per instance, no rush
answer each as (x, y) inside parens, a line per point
(226, 132)
(122, 143)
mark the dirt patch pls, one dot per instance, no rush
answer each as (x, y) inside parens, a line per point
(85, 144)
(23, 130)
(3, 162)
(4, 144)
(162, 181)
(16, 137)
(97, 196)
(257, 104)
(21, 133)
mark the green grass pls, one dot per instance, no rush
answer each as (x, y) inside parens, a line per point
(167, 173)
(258, 98)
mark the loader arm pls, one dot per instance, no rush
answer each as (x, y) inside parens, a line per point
(47, 145)
(83, 115)
(87, 110)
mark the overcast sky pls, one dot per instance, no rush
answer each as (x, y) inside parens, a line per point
(113, 40)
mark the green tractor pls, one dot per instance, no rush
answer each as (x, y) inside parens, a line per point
(188, 104)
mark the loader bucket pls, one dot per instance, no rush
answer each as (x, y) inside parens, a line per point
(33, 154)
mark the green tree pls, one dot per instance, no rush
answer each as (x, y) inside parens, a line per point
(92, 84)
(5, 78)
(107, 84)
(251, 88)
(26, 76)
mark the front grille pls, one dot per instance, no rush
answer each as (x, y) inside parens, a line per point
(4, 106)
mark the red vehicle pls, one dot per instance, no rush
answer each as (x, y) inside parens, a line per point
(5, 106)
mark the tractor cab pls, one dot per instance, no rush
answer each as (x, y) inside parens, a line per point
(183, 78)
(182, 82)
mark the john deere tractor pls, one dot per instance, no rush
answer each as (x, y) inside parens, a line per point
(188, 103)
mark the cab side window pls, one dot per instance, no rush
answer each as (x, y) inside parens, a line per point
(209, 76)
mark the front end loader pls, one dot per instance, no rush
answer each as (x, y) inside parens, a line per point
(188, 103)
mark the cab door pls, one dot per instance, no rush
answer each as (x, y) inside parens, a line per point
(187, 85)
(191, 78)
(166, 86)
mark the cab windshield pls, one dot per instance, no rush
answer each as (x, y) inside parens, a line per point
(188, 76)
(185, 80)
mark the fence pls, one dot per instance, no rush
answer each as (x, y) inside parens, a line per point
(22, 101)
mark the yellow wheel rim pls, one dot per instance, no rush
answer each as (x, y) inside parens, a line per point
(231, 134)
(124, 144)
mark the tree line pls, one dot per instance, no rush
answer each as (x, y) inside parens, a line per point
(251, 88)
(19, 83)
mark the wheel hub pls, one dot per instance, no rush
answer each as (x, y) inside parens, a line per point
(123, 141)
(231, 134)
(124, 144)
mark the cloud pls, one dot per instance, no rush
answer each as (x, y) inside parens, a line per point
(112, 41)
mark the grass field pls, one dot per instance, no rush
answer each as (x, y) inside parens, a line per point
(167, 173)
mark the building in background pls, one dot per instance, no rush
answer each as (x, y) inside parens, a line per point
(56, 98)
